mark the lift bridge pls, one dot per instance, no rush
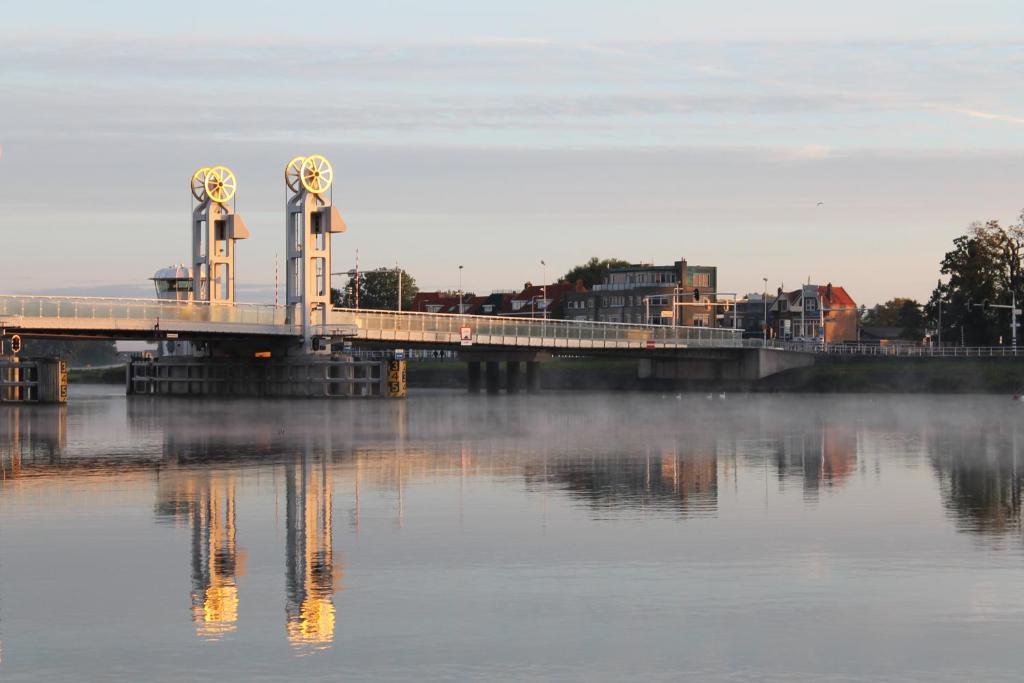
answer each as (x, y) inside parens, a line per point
(212, 344)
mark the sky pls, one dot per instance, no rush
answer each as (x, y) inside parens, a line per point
(836, 141)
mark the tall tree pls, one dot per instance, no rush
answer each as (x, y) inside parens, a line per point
(378, 289)
(591, 272)
(983, 266)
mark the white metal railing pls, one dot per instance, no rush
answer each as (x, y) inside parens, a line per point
(894, 350)
(622, 286)
(82, 307)
(530, 331)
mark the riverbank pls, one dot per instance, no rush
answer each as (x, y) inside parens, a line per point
(842, 375)
(113, 374)
(857, 375)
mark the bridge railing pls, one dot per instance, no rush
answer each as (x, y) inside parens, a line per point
(82, 307)
(446, 327)
(900, 350)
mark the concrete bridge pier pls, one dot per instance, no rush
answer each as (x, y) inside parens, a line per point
(493, 369)
(512, 376)
(473, 369)
(533, 377)
(490, 362)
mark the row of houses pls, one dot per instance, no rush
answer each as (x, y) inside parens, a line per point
(675, 294)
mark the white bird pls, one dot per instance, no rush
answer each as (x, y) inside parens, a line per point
(721, 396)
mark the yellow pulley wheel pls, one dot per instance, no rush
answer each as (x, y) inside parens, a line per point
(316, 174)
(220, 184)
(199, 184)
(292, 174)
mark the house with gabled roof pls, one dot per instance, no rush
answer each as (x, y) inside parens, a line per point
(823, 313)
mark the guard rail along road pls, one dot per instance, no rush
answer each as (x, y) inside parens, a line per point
(499, 331)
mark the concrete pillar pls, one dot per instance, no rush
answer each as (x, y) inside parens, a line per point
(532, 376)
(493, 377)
(473, 368)
(512, 376)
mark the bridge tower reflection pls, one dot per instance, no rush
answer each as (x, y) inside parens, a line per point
(207, 500)
(311, 574)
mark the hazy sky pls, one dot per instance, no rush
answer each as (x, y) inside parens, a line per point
(495, 135)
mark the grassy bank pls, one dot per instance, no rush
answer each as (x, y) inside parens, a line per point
(922, 375)
(925, 375)
(111, 375)
(928, 375)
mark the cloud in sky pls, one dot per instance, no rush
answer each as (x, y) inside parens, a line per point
(497, 149)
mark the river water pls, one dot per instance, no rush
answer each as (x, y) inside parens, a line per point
(557, 537)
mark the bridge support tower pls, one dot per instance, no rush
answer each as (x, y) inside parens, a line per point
(215, 229)
(311, 220)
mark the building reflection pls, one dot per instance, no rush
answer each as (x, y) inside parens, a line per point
(205, 500)
(677, 477)
(311, 574)
(823, 456)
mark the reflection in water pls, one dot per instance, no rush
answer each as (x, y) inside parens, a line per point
(980, 478)
(310, 571)
(670, 460)
(818, 455)
(207, 500)
(677, 478)
(33, 434)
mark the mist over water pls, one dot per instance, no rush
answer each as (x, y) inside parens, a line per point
(559, 536)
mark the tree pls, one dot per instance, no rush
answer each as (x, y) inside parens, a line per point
(78, 353)
(592, 271)
(378, 289)
(983, 266)
(906, 314)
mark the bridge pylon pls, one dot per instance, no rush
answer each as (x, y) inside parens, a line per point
(310, 220)
(215, 228)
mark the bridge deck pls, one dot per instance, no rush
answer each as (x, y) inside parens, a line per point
(152, 318)
(437, 329)
(148, 318)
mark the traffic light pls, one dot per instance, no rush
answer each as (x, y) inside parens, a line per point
(970, 304)
(984, 305)
(16, 344)
(696, 294)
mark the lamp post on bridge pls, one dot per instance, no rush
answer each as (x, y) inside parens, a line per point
(544, 285)
(764, 321)
(461, 310)
(398, 272)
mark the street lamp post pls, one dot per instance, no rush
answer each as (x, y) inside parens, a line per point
(461, 310)
(764, 322)
(398, 271)
(544, 285)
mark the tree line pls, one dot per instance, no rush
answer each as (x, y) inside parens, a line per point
(983, 276)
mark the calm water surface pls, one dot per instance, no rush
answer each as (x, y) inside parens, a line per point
(560, 536)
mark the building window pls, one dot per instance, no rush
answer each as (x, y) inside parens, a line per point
(702, 279)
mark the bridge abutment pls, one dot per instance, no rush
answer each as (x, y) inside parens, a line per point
(722, 365)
